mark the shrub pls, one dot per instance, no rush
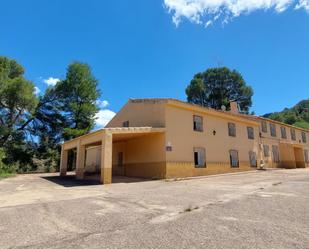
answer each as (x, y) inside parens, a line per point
(5, 170)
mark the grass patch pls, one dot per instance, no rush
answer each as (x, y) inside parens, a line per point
(5, 175)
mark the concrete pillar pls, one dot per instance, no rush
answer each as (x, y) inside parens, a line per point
(80, 161)
(63, 162)
(106, 158)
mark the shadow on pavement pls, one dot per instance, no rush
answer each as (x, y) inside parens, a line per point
(71, 181)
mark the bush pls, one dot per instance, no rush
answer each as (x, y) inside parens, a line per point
(44, 165)
(5, 170)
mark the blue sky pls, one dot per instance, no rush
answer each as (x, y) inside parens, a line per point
(137, 51)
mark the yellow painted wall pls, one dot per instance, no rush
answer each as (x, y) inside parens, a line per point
(299, 157)
(268, 161)
(140, 113)
(118, 147)
(287, 157)
(286, 151)
(180, 134)
(143, 156)
(93, 159)
(187, 169)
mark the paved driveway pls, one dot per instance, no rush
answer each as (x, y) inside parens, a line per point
(264, 209)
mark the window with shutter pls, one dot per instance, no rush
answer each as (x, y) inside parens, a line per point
(234, 162)
(264, 126)
(275, 151)
(283, 132)
(273, 132)
(250, 132)
(232, 129)
(252, 158)
(197, 123)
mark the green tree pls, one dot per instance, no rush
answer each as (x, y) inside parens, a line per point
(218, 86)
(78, 94)
(17, 100)
(298, 115)
(62, 112)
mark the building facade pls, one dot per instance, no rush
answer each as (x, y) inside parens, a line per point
(167, 138)
(283, 145)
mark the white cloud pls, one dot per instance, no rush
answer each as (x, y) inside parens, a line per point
(51, 81)
(303, 4)
(198, 10)
(102, 103)
(103, 117)
(36, 90)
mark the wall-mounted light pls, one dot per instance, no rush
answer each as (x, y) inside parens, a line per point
(169, 146)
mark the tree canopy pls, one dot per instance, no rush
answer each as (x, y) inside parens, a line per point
(218, 86)
(64, 111)
(298, 115)
(78, 94)
(17, 100)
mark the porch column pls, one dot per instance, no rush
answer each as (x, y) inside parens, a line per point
(80, 161)
(106, 158)
(63, 161)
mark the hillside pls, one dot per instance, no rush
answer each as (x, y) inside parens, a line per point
(298, 115)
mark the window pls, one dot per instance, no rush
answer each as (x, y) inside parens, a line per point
(272, 130)
(234, 162)
(252, 158)
(250, 131)
(283, 132)
(197, 123)
(125, 124)
(199, 158)
(275, 153)
(306, 156)
(266, 150)
(293, 135)
(232, 129)
(303, 137)
(120, 159)
(264, 126)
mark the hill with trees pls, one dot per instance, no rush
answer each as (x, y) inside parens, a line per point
(298, 115)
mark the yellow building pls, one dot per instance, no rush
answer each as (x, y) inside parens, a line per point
(168, 138)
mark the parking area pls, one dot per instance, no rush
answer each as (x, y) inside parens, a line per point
(260, 209)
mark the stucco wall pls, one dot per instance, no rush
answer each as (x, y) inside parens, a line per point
(286, 146)
(268, 161)
(287, 157)
(182, 137)
(93, 159)
(298, 140)
(183, 169)
(143, 156)
(118, 147)
(299, 157)
(140, 113)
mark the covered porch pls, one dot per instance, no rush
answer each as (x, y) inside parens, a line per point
(122, 152)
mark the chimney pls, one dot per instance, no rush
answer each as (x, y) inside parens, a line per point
(234, 107)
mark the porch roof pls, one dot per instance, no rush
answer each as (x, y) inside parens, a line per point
(118, 133)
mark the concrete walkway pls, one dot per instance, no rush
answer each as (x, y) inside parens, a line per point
(265, 209)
